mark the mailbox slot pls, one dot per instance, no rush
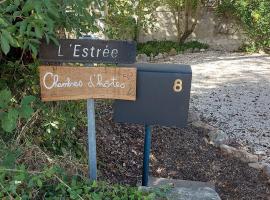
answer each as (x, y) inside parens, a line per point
(163, 93)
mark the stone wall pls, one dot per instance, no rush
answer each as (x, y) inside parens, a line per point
(220, 34)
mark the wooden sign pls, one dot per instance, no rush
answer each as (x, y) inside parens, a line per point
(73, 83)
(89, 51)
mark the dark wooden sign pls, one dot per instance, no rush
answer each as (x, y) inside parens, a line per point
(89, 51)
(72, 83)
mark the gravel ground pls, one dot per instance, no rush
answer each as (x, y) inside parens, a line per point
(176, 153)
(231, 91)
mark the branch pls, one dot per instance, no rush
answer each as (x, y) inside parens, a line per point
(61, 181)
(19, 171)
(6, 191)
(28, 124)
(3, 1)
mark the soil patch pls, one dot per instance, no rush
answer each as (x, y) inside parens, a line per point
(176, 153)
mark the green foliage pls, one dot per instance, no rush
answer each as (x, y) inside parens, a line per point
(57, 127)
(54, 183)
(62, 128)
(24, 23)
(126, 18)
(8, 155)
(156, 47)
(5, 98)
(254, 16)
(9, 120)
(11, 111)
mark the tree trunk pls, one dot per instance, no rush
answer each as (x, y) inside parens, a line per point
(188, 13)
(185, 36)
(137, 30)
(106, 13)
(177, 22)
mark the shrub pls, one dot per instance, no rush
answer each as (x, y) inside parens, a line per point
(54, 183)
(11, 110)
(255, 18)
(156, 47)
(23, 24)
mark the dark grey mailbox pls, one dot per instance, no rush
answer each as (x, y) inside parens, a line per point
(163, 92)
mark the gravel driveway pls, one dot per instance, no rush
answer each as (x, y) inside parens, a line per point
(231, 91)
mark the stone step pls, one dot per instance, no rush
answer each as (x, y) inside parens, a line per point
(184, 190)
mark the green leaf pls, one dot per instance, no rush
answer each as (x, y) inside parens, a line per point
(35, 41)
(28, 6)
(51, 8)
(39, 183)
(28, 29)
(10, 158)
(5, 44)
(11, 8)
(33, 50)
(49, 172)
(11, 40)
(3, 22)
(7, 35)
(9, 120)
(47, 38)
(23, 26)
(16, 14)
(27, 100)
(38, 32)
(26, 110)
(5, 98)
(37, 6)
(55, 41)
(17, 2)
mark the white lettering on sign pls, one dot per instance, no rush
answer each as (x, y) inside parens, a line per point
(96, 80)
(71, 83)
(75, 50)
(51, 81)
(59, 51)
(54, 79)
(92, 52)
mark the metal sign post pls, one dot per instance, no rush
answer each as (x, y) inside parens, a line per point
(146, 155)
(91, 127)
(91, 132)
(91, 135)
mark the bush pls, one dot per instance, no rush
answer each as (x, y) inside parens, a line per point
(41, 179)
(62, 128)
(156, 47)
(11, 110)
(255, 18)
(54, 183)
(23, 24)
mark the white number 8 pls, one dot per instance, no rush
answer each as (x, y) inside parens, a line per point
(178, 85)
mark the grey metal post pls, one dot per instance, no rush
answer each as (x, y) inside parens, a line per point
(91, 133)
